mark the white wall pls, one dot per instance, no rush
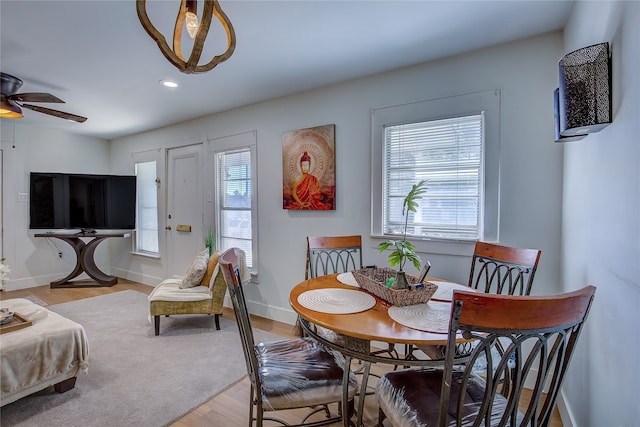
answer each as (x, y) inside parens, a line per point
(531, 162)
(34, 261)
(601, 227)
(601, 236)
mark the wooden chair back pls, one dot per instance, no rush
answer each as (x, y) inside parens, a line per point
(539, 335)
(332, 254)
(503, 269)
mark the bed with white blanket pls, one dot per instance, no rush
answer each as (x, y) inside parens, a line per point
(49, 352)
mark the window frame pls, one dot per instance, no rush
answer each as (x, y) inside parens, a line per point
(145, 157)
(487, 103)
(247, 140)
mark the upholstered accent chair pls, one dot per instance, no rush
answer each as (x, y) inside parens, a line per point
(199, 291)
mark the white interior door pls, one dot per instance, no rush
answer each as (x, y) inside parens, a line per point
(185, 207)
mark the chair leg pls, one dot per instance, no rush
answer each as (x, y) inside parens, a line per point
(156, 321)
(217, 319)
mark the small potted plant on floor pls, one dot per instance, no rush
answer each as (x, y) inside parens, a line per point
(210, 241)
(404, 250)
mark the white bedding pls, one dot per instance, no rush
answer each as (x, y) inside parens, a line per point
(51, 350)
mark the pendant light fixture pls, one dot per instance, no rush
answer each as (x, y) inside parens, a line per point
(9, 109)
(197, 29)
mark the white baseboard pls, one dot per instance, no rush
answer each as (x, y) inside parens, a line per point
(565, 411)
(137, 277)
(274, 313)
(31, 282)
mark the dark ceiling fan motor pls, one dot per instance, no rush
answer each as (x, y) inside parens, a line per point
(13, 102)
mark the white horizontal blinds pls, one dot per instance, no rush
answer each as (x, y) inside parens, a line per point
(147, 208)
(448, 154)
(234, 201)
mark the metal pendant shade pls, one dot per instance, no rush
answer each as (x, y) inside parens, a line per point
(191, 65)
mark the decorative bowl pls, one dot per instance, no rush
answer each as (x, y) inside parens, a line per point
(5, 316)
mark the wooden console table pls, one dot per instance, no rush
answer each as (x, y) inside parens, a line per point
(84, 259)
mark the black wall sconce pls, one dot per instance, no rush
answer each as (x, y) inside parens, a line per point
(583, 100)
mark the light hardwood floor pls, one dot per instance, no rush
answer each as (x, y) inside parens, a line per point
(229, 408)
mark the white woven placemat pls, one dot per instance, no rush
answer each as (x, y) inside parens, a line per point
(431, 317)
(445, 290)
(336, 301)
(347, 279)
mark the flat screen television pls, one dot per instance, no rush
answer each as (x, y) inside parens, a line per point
(81, 201)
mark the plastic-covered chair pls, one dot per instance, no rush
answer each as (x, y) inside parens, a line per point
(332, 254)
(291, 373)
(539, 334)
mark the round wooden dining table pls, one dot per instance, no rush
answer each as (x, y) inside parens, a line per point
(363, 335)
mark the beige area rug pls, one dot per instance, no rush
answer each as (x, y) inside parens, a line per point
(136, 378)
(34, 299)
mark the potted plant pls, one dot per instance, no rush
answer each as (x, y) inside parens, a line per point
(404, 250)
(210, 241)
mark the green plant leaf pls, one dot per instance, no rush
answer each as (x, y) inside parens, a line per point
(210, 241)
(386, 245)
(410, 203)
(403, 249)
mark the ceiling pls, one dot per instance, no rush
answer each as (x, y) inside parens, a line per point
(96, 56)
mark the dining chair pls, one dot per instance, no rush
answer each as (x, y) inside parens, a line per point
(503, 270)
(539, 334)
(496, 269)
(289, 373)
(332, 254)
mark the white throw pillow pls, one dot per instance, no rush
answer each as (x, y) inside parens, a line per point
(196, 271)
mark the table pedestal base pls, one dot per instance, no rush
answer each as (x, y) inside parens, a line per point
(85, 261)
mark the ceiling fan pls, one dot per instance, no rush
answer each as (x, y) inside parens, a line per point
(11, 103)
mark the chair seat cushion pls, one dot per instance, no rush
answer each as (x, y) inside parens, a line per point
(411, 397)
(170, 290)
(300, 372)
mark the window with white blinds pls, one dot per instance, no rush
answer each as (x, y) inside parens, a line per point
(448, 154)
(235, 200)
(146, 240)
(453, 143)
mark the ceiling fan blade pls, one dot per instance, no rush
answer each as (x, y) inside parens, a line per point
(56, 113)
(36, 97)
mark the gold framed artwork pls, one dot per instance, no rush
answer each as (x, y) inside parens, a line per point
(309, 168)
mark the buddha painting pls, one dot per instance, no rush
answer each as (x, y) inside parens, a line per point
(309, 169)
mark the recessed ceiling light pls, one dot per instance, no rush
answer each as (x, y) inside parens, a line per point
(168, 83)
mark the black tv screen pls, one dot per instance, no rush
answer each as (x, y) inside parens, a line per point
(81, 201)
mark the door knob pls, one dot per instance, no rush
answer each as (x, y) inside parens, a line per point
(168, 227)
